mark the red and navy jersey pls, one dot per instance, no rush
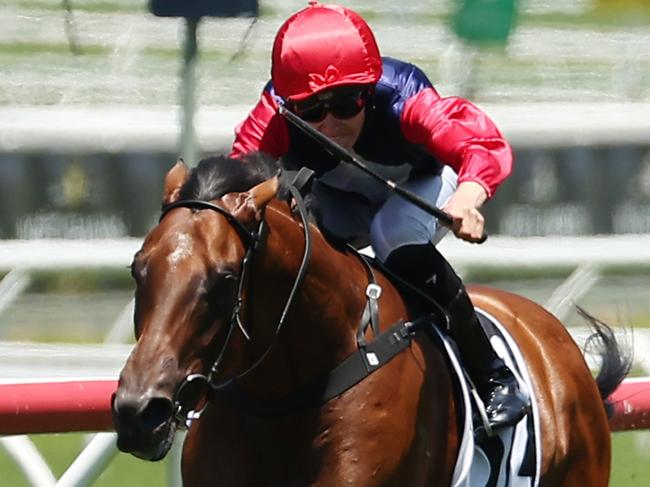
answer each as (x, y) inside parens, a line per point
(406, 121)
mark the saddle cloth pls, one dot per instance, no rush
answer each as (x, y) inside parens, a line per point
(511, 458)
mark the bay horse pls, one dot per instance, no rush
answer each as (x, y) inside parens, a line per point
(241, 303)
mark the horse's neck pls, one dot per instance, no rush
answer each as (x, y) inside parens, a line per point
(330, 299)
(322, 321)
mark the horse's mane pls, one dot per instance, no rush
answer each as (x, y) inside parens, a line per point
(216, 176)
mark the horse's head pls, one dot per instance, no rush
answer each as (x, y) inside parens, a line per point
(187, 274)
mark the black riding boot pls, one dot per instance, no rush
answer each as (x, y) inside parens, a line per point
(426, 268)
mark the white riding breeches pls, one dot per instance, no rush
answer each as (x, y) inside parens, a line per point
(361, 210)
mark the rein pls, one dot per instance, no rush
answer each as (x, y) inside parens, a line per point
(198, 383)
(250, 238)
(368, 357)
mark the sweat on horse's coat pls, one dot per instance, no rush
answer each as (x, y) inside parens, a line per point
(398, 427)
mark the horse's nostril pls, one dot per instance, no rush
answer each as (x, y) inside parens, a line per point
(144, 425)
(157, 411)
(124, 411)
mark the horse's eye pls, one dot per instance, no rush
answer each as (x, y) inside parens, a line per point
(220, 286)
(230, 278)
(228, 282)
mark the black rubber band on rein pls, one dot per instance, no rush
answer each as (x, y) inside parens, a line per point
(184, 415)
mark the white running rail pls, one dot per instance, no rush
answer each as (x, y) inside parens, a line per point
(497, 251)
(24, 362)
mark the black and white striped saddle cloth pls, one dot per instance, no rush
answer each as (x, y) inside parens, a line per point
(512, 457)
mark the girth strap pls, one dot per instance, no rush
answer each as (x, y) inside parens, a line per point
(348, 373)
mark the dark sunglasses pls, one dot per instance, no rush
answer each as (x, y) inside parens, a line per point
(342, 103)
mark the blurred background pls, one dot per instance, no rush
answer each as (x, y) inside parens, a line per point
(98, 98)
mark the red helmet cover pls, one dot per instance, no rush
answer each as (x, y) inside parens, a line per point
(320, 47)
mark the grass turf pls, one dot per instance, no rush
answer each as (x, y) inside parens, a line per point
(630, 462)
(59, 450)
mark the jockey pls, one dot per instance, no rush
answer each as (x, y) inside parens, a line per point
(326, 68)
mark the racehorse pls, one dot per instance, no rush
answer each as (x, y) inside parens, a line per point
(243, 310)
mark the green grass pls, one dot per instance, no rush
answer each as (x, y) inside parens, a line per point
(488, 274)
(503, 74)
(40, 48)
(631, 466)
(631, 460)
(23, 49)
(592, 19)
(60, 450)
(80, 280)
(101, 7)
(589, 19)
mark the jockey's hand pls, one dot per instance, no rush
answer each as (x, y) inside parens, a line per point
(463, 207)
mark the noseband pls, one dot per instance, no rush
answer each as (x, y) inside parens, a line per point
(193, 383)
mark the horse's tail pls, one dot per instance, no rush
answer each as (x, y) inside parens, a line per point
(616, 360)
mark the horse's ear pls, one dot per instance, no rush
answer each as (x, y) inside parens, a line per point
(174, 180)
(247, 207)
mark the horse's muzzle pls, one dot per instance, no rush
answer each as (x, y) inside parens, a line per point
(144, 425)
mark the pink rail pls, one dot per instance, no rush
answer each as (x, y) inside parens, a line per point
(56, 407)
(631, 403)
(84, 405)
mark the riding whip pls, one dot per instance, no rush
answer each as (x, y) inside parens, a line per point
(345, 155)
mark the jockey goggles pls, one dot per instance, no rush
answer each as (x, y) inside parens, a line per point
(342, 102)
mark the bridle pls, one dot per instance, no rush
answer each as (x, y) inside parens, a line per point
(365, 360)
(205, 384)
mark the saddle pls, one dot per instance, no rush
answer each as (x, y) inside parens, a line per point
(511, 457)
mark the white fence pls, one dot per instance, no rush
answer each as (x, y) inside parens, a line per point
(24, 362)
(497, 251)
(116, 128)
